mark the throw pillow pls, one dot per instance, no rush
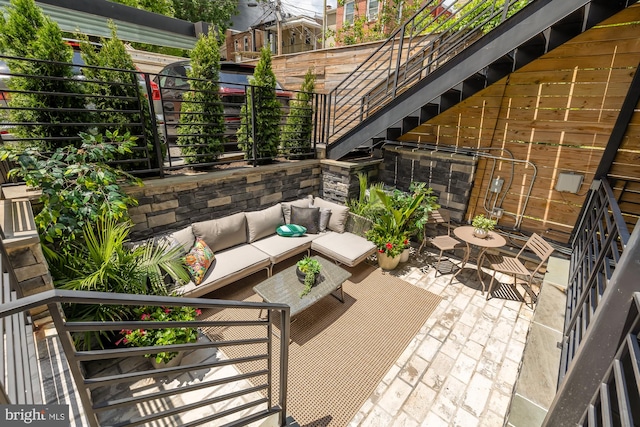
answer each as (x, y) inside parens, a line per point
(291, 230)
(339, 213)
(198, 260)
(325, 215)
(309, 218)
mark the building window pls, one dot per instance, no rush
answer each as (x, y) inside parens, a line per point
(236, 45)
(307, 36)
(372, 10)
(246, 44)
(292, 38)
(349, 11)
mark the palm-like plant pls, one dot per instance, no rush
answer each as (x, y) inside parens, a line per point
(105, 263)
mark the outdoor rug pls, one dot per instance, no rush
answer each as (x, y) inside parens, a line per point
(340, 352)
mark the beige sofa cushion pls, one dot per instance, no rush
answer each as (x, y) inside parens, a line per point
(264, 222)
(223, 233)
(338, 218)
(346, 248)
(302, 203)
(229, 266)
(280, 248)
(184, 238)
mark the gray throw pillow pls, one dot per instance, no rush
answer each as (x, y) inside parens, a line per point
(309, 218)
(325, 215)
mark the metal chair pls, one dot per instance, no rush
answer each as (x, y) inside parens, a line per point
(515, 267)
(443, 242)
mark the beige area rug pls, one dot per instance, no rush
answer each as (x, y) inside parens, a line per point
(339, 352)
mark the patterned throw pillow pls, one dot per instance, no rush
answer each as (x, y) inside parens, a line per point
(291, 230)
(198, 260)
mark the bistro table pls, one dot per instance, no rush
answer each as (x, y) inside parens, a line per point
(493, 240)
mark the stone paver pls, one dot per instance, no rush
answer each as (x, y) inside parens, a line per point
(463, 369)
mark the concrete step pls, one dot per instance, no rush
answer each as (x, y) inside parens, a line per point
(537, 382)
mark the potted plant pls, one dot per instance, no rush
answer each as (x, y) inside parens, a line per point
(307, 271)
(482, 225)
(157, 337)
(389, 232)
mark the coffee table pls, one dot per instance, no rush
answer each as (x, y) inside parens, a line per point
(284, 287)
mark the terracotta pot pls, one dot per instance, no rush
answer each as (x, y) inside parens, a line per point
(404, 256)
(480, 233)
(386, 262)
(174, 361)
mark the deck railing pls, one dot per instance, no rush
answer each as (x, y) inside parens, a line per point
(432, 36)
(599, 320)
(265, 354)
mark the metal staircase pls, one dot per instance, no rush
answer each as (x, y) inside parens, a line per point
(445, 53)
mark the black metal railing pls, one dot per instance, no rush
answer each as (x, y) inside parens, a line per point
(617, 401)
(603, 278)
(265, 395)
(599, 240)
(433, 35)
(169, 136)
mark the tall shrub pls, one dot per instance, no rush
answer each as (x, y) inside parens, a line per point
(267, 117)
(201, 127)
(296, 134)
(26, 32)
(115, 92)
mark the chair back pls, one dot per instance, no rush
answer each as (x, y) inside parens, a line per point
(538, 246)
(441, 216)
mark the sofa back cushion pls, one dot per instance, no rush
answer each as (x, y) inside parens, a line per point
(286, 207)
(264, 222)
(222, 233)
(338, 217)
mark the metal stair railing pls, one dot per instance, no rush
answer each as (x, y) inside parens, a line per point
(265, 396)
(433, 35)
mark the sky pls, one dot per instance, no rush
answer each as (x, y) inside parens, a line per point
(305, 7)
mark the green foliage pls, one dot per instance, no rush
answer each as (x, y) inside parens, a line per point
(367, 204)
(388, 244)
(201, 128)
(296, 134)
(153, 337)
(311, 268)
(401, 200)
(27, 33)
(483, 223)
(78, 187)
(111, 99)
(105, 263)
(267, 119)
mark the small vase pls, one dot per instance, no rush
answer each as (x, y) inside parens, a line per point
(404, 256)
(174, 361)
(300, 275)
(386, 262)
(480, 233)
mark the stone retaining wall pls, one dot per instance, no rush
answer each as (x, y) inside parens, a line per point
(173, 203)
(449, 174)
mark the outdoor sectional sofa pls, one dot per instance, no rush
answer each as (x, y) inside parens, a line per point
(247, 242)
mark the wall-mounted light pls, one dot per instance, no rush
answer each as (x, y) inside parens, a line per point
(569, 182)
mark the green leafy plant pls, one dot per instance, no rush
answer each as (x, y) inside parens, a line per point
(483, 223)
(267, 118)
(155, 337)
(367, 204)
(104, 262)
(77, 184)
(311, 268)
(201, 129)
(26, 32)
(296, 134)
(391, 245)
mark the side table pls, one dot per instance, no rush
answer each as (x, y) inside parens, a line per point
(493, 240)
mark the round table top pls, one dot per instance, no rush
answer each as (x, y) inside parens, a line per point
(493, 240)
